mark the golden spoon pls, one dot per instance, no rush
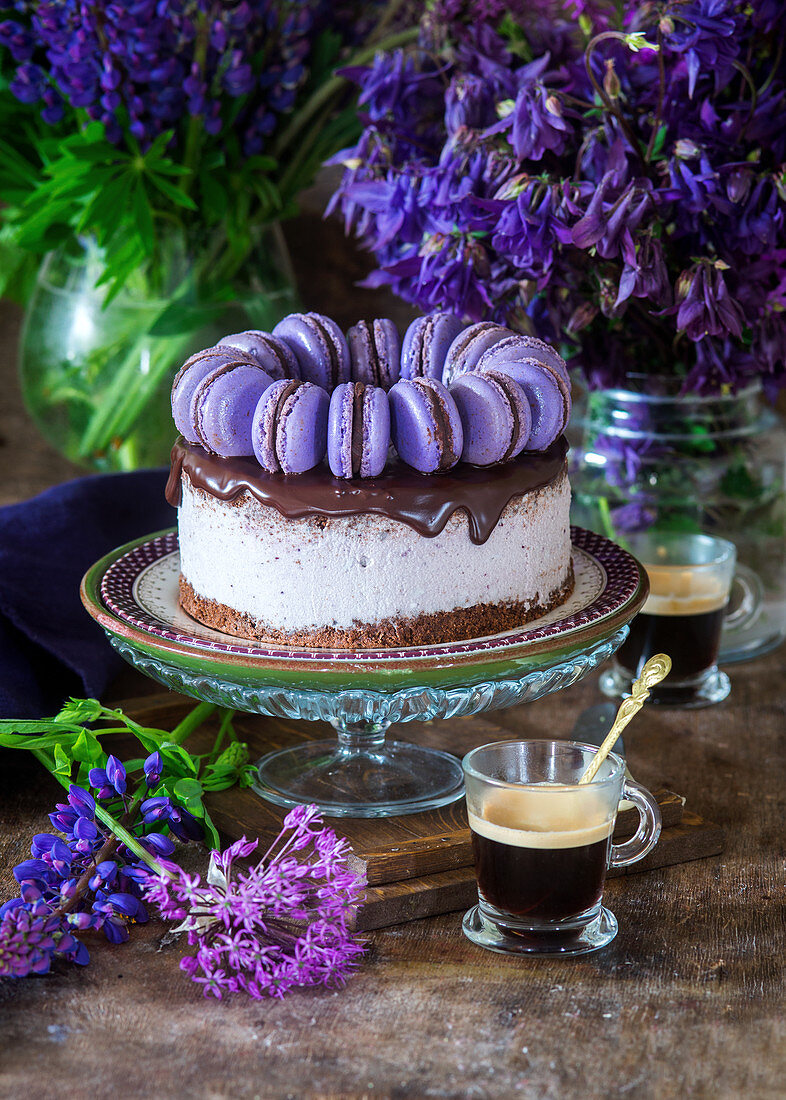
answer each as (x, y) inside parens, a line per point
(653, 672)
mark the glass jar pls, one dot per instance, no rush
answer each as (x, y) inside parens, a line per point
(664, 460)
(96, 371)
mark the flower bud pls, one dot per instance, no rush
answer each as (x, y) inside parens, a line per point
(582, 316)
(611, 82)
(686, 149)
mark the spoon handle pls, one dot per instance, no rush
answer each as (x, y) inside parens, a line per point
(653, 672)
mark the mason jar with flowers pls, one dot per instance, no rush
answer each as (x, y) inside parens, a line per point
(611, 178)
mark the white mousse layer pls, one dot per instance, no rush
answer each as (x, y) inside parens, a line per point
(306, 574)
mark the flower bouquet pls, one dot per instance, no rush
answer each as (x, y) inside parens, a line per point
(149, 152)
(609, 177)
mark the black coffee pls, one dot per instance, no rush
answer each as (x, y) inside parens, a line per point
(544, 884)
(692, 642)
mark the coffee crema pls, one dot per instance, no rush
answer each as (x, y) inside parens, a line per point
(544, 815)
(683, 590)
(541, 852)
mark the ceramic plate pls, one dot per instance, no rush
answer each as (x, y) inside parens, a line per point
(133, 594)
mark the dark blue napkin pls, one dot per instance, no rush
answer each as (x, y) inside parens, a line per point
(50, 648)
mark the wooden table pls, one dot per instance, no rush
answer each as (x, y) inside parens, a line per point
(687, 1002)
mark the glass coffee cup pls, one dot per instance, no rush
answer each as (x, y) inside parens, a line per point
(690, 577)
(542, 845)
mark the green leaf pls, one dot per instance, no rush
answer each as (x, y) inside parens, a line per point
(178, 197)
(87, 750)
(189, 793)
(143, 217)
(62, 762)
(660, 139)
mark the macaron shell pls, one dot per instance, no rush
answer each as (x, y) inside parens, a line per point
(339, 430)
(272, 354)
(517, 347)
(519, 408)
(425, 425)
(223, 407)
(495, 417)
(301, 429)
(263, 427)
(376, 432)
(189, 376)
(319, 347)
(545, 392)
(375, 352)
(465, 351)
(426, 343)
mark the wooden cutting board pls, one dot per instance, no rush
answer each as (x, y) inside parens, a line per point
(416, 865)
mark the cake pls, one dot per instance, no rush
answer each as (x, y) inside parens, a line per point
(331, 496)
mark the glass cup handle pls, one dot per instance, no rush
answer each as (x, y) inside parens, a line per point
(646, 836)
(752, 597)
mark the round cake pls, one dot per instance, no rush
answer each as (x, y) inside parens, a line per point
(347, 515)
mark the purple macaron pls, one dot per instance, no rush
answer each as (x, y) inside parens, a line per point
(425, 425)
(289, 429)
(272, 354)
(464, 353)
(223, 405)
(548, 396)
(425, 345)
(358, 431)
(319, 347)
(375, 352)
(515, 347)
(495, 416)
(188, 378)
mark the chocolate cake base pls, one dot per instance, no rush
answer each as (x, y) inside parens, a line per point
(444, 626)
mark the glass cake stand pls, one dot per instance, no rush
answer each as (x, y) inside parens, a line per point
(132, 594)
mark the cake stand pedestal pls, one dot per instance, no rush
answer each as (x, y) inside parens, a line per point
(132, 593)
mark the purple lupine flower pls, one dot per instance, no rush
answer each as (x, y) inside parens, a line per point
(30, 938)
(116, 774)
(241, 921)
(153, 767)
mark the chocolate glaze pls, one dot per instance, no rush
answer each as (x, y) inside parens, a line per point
(423, 501)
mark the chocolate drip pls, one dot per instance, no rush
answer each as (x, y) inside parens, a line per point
(424, 502)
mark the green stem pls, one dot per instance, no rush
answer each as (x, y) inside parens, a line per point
(129, 840)
(191, 721)
(130, 391)
(605, 518)
(322, 95)
(226, 722)
(661, 92)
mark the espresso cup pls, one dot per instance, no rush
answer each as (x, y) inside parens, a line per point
(542, 845)
(690, 578)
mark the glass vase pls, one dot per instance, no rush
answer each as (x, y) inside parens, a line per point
(96, 371)
(663, 460)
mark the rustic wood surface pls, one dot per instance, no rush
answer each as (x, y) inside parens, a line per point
(687, 1002)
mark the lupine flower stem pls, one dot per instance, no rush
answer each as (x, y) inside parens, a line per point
(193, 720)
